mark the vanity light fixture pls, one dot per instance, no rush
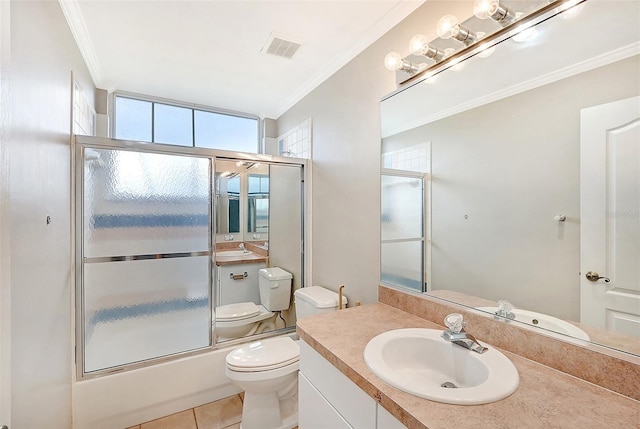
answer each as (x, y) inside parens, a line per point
(419, 45)
(516, 26)
(394, 61)
(493, 9)
(449, 28)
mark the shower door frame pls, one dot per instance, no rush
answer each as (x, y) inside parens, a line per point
(79, 143)
(425, 178)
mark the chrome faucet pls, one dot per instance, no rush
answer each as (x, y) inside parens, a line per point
(505, 310)
(244, 249)
(457, 335)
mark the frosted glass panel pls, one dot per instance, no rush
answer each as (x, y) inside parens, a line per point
(145, 203)
(402, 264)
(138, 310)
(401, 207)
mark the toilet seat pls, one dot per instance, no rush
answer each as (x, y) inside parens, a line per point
(236, 311)
(265, 355)
(255, 376)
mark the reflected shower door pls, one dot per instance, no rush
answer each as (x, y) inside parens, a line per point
(145, 255)
(402, 257)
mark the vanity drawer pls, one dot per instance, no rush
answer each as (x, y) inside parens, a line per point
(318, 414)
(355, 406)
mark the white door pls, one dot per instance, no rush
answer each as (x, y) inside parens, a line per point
(610, 216)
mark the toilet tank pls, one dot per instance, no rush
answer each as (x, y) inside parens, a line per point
(316, 300)
(275, 288)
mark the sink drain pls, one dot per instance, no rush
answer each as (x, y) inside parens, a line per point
(448, 385)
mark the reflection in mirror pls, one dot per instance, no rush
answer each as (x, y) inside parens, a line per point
(258, 268)
(227, 203)
(523, 202)
(258, 204)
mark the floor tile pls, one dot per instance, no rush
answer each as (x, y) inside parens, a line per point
(219, 414)
(236, 426)
(182, 420)
(134, 427)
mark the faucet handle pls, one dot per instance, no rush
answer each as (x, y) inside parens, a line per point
(455, 322)
(505, 306)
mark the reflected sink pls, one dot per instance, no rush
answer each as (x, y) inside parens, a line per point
(544, 321)
(232, 254)
(420, 362)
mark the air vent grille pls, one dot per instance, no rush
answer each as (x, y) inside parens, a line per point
(280, 45)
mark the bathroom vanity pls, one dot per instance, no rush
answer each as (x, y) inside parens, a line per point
(338, 389)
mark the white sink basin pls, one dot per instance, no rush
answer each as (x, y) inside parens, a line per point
(544, 321)
(420, 362)
(232, 254)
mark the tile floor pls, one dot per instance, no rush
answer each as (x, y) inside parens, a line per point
(223, 414)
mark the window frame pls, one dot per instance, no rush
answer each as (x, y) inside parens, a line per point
(193, 107)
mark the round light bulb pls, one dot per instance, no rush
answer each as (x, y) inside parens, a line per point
(447, 27)
(393, 61)
(483, 9)
(417, 43)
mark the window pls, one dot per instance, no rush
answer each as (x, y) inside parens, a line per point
(172, 125)
(165, 123)
(218, 131)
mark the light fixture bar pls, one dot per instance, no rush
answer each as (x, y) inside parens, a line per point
(544, 13)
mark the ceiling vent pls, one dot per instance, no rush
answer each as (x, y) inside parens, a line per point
(281, 45)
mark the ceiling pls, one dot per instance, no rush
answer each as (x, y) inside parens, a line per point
(208, 52)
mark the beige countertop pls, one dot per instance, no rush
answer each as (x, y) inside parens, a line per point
(545, 398)
(250, 259)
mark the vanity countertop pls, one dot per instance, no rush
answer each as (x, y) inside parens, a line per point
(545, 398)
(250, 259)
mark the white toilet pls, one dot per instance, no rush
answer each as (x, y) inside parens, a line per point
(247, 318)
(267, 370)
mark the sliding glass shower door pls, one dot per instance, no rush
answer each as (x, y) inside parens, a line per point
(144, 250)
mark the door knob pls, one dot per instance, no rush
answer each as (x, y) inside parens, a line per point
(593, 276)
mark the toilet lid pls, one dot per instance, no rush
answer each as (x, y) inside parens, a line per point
(264, 355)
(236, 311)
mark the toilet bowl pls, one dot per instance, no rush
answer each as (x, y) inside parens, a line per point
(247, 318)
(268, 373)
(242, 319)
(267, 370)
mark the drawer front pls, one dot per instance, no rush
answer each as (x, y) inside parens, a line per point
(314, 411)
(357, 408)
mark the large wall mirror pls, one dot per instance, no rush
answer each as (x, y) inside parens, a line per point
(534, 177)
(258, 227)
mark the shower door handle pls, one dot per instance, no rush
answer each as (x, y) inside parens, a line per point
(593, 276)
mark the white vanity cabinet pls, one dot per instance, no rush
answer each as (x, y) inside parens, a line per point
(328, 399)
(238, 283)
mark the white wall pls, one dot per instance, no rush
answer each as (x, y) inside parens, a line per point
(5, 286)
(346, 157)
(43, 54)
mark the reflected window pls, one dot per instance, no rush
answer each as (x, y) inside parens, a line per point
(258, 203)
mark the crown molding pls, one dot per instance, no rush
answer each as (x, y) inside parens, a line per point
(78, 27)
(392, 18)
